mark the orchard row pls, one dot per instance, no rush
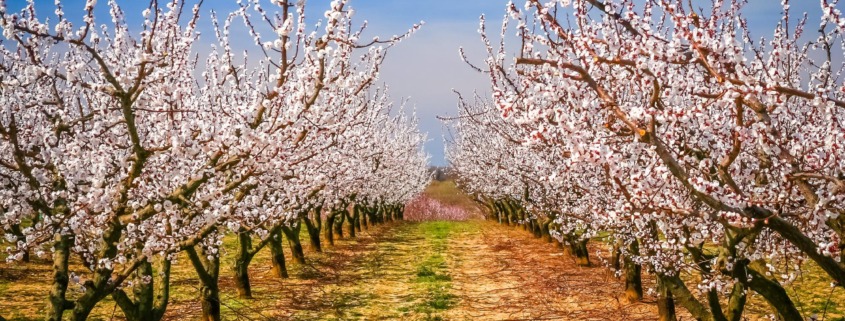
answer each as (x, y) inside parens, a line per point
(122, 147)
(714, 159)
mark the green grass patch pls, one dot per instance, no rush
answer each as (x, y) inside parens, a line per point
(432, 274)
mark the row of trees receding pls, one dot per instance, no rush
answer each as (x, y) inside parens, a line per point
(711, 158)
(122, 148)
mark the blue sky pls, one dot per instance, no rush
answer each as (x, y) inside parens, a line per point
(426, 67)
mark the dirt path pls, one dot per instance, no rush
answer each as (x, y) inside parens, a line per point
(446, 271)
(502, 273)
(473, 270)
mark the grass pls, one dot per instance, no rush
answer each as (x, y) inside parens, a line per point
(432, 274)
(812, 294)
(449, 194)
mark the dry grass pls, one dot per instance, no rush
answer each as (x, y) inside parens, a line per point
(449, 194)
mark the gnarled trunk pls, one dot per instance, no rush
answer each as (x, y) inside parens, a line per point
(210, 302)
(242, 259)
(277, 255)
(292, 234)
(352, 219)
(633, 275)
(208, 270)
(330, 226)
(147, 304)
(338, 225)
(578, 249)
(313, 229)
(665, 302)
(61, 277)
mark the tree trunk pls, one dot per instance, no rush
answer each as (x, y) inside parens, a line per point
(208, 270)
(364, 218)
(241, 268)
(771, 290)
(210, 303)
(292, 234)
(544, 227)
(162, 298)
(144, 292)
(535, 228)
(352, 219)
(61, 277)
(313, 233)
(673, 288)
(338, 225)
(330, 226)
(616, 257)
(146, 304)
(633, 275)
(578, 248)
(358, 220)
(736, 304)
(665, 302)
(82, 308)
(277, 256)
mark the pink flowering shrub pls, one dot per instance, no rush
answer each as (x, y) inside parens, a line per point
(427, 208)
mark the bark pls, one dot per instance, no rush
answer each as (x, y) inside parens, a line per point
(101, 285)
(616, 258)
(502, 213)
(387, 212)
(736, 303)
(582, 253)
(535, 228)
(788, 231)
(771, 290)
(715, 306)
(277, 255)
(678, 292)
(665, 302)
(329, 226)
(242, 259)
(578, 248)
(352, 218)
(364, 217)
(61, 277)
(633, 275)
(338, 225)
(163, 293)
(292, 234)
(210, 303)
(313, 230)
(147, 304)
(544, 229)
(208, 271)
(358, 220)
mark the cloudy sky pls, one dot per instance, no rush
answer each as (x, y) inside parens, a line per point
(427, 67)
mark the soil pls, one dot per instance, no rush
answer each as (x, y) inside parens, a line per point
(471, 270)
